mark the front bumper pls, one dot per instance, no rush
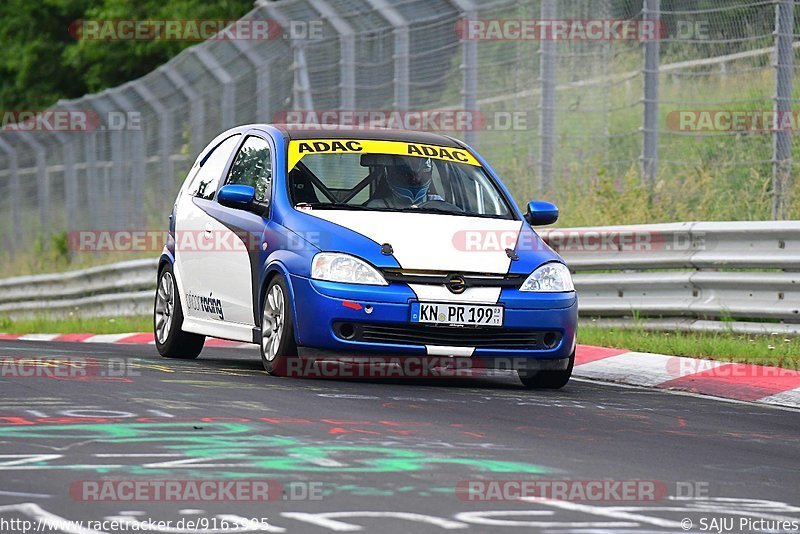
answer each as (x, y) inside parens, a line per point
(321, 307)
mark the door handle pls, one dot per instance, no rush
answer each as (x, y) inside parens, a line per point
(208, 229)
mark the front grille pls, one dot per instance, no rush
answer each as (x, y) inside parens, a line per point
(468, 336)
(442, 277)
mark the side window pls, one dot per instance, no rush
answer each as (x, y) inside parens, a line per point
(253, 167)
(438, 184)
(205, 182)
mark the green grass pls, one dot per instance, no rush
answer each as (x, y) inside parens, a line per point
(776, 350)
(77, 324)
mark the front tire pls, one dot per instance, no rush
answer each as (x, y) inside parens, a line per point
(171, 341)
(547, 379)
(277, 328)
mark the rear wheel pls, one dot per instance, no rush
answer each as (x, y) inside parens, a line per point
(277, 330)
(171, 341)
(548, 379)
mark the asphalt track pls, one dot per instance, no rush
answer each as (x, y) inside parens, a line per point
(380, 455)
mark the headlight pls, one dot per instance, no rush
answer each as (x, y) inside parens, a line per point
(338, 267)
(550, 277)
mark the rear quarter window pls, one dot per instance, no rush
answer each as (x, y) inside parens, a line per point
(204, 184)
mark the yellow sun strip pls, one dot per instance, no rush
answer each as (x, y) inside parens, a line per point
(298, 149)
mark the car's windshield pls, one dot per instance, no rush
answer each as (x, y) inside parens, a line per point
(394, 181)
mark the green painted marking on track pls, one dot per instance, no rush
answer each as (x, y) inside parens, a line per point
(388, 460)
(121, 432)
(226, 443)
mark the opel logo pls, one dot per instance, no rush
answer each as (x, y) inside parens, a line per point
(456, 283)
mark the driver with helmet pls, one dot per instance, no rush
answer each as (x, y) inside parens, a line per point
(409, 179)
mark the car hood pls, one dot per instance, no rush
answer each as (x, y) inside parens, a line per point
(436, 242)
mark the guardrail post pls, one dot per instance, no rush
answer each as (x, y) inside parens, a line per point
(652, 50)
(347, 44)
(261, 69)
(70, 180)
(15, 194)
(782, 139)
(547, 102)
(42, 184)
(218, 72)
(196, 110)
(164, 117)
(402, 48)
(94, 200)
(68, 140)
(114, 216)
(469, 67)
(136, 158)
(102, 203)
(301, 82)
(301, 87)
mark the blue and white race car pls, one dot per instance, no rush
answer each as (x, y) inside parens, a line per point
(382, 242)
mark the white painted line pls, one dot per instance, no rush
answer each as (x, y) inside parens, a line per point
(108, 338)
(785, 398)
(38, 337)
(609, 512)
(487, 518)
(138, 455)
(329, 519)
(23, 494)
(642, 369)
(587, 380)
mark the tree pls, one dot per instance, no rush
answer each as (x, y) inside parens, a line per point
(41, 62)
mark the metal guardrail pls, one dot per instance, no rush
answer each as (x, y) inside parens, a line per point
(118, 289)
(713, 276)
(737, 276)
(694, 245)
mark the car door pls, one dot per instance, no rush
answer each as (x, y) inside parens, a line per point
(195, 242)
(242, 230)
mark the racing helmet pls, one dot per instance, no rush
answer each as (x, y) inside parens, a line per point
(410, 178)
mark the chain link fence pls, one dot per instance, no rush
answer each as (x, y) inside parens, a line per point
(556, 114)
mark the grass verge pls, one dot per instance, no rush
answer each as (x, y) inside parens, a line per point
(77, 325)
(774, 350)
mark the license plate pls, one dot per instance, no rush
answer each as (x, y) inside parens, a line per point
(456, 314)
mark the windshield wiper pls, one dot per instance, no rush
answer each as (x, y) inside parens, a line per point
(459, 213)
(440, 210)
(407, 209)
(331, 206)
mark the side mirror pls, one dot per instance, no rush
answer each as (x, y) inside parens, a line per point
(541, 213)
(236, 196)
